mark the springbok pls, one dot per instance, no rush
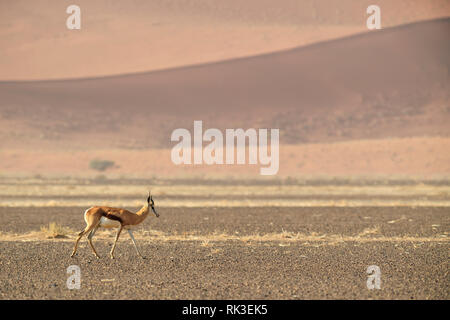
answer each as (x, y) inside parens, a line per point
(106, 217)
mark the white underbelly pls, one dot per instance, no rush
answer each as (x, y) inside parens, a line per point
(108, 223)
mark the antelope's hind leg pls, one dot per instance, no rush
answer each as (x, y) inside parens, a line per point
(80, 235)
(90, 236)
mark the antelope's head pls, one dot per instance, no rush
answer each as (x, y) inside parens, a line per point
(151, 204)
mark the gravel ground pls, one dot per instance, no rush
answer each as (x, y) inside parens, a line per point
(234, 269)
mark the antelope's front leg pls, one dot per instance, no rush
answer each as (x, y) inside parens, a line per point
(114, 245)
(134, 242)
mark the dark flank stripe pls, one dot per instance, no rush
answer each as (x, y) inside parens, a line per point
(111, 216)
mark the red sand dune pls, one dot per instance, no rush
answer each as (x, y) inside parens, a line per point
(119, 37)
(378, 85)
(388, 83)
(398, 157)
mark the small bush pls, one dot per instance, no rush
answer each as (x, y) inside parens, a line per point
(101, 165)
(100, 178)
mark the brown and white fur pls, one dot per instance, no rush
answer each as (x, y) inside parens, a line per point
(106, 217)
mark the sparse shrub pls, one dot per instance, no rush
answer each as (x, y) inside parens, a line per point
(100, 178)
(54, 230)
(101, 165)
(290, 181)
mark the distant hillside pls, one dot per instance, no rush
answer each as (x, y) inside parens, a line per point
(388, 83)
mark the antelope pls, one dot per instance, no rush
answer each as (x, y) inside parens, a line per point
(107, 217)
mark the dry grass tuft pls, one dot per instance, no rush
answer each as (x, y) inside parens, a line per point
(205, 243)
(369, 231)
(54, 230)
